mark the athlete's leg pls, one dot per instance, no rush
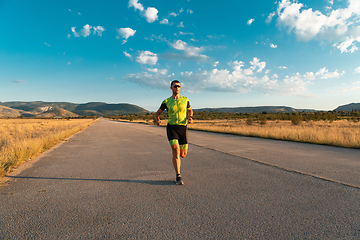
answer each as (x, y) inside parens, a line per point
(176, 157)
(183, 150)
(183, 141)
(174, 143)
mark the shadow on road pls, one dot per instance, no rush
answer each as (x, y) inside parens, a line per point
(150, 182)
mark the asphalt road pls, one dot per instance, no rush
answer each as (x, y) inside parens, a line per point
(116, 181)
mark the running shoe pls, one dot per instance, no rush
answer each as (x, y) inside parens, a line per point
(179, 181)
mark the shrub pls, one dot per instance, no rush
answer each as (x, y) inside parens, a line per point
(296, 120)
(354, 119)
(249, 121)
(262, 120)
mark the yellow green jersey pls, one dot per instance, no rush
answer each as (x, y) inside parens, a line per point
(177, 110)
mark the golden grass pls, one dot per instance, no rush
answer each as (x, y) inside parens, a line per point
(342, 133)
(23, 139)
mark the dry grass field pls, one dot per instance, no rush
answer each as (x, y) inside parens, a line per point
(341, 133)
(23, 139)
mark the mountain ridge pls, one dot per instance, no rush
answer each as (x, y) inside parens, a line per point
(67, 109)
(257, 109)
(348, 107)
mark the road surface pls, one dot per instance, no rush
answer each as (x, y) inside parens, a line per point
(116, 181)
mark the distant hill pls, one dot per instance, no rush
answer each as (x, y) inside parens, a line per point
(90, 113)
(67, 109)
(39, 107)
(348, 107)
(57, 113)
(55, 109)
(110, 109)
(9, 112)
(270, 109)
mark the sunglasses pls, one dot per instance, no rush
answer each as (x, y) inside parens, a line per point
(176, 86)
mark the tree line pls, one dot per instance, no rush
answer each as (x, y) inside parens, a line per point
(295, 117)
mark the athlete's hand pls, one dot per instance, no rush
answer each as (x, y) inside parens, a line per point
(158, 122)
(190, 120)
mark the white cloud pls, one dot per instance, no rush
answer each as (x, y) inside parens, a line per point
(173, 14)
(324, 73)
(215, 36)
(190, 53)
(190, 11)
(154, 70)
(248, 72)
(159, 38)
(270, 17)
(349, 89)
(250, 21)
(147, 57)
(224, 80)
(127, 54)
(215, 63)
(160, 71)
(47, 44)
(331, 2)
(339, 26)
(151, 14)
(218, 80)
(125, 33)
(273, 45)
(309, 76)
(185, 33)
(136, 5)
(181, 25)
(74, 31)
(282, 67)
(154, 78)
(98, 30)
(347, 43)
(86, 31)
(241, 77)
(357, 69)
(164, 21)
(257, 64)
(179, 45)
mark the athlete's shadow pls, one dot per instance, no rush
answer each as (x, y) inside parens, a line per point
(150, 182)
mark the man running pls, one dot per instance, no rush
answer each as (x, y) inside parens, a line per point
(177, 107)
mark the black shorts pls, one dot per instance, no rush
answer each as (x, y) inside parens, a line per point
(177, 134)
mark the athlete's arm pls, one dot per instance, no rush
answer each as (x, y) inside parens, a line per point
(157, 117)
(190, 115)
(162, 108)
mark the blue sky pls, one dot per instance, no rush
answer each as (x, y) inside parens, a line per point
(302, 54)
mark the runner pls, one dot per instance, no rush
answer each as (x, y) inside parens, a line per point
(177, 107)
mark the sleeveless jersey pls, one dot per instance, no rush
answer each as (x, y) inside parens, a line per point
(177, 110)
